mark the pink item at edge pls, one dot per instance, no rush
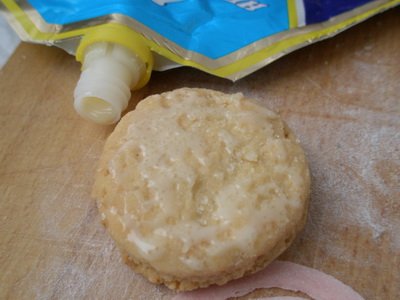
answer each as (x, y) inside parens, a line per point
(280, 274)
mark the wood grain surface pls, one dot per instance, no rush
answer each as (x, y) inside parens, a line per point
(342, 99)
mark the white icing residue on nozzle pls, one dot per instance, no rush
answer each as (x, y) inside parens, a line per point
(103, 90)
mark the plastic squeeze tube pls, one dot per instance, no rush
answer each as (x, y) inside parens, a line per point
(119, 43)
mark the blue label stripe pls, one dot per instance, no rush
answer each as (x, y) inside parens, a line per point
(213, 28)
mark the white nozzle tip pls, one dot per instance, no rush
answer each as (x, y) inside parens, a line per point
(103, 90)
(97, 110)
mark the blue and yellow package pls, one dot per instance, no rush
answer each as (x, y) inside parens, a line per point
(122, 41)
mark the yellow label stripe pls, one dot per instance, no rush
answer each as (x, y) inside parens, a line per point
(292, 11)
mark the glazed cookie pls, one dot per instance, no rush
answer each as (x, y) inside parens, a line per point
(199, 187)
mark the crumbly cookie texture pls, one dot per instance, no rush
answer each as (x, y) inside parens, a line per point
(199, 187)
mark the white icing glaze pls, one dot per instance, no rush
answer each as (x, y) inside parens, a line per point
(204, 178)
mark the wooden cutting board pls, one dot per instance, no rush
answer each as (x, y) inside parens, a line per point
(342, 99)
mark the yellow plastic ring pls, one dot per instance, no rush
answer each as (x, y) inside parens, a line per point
(124, 36)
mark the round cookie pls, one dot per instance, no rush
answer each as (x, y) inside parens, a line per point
(198, 187)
